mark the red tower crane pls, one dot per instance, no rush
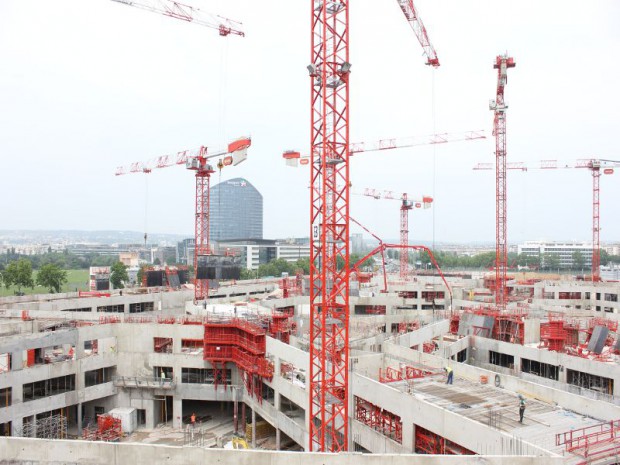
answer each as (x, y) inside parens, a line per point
(188, 13)
(595, 166)
(502, 64)
(329, 70)
(329, 219)
(407, 204)
(294, 158)
(413, 18)
(197, 160)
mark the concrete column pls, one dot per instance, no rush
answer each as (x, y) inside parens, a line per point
(177, 412)
(126, 309)
(16, 424)
(151, 420)
(17, 360)
(408, 434)
(17, 393)
(277, 438)
(562, 375)
(253, 429)
(79, 418)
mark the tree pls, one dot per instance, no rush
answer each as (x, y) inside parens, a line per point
(118, 275)
(578, 260)
(18, 273)
(140, 275)
(304, 264)
(52, 277)
(157, 261)
(550, 261)
(246, 273)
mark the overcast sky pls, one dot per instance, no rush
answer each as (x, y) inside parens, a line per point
(88, 85)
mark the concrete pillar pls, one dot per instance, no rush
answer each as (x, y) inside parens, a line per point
(17, 393)
(562, 374)
(253, 429)
(177, 412)
(277, 438)
(79, 418)
(17, 360)
(16, 425)
(408, 434)
(151, 420)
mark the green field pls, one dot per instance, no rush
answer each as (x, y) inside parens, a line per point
(77, 279)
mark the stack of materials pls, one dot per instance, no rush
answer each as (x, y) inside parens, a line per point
(263, 430)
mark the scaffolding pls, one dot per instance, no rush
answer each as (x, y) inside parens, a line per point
(508, 326)
(243, 342)
(48, 427)
(553, 336)
(196, 436)
(407, 372)
(408, 326)
(381, 420)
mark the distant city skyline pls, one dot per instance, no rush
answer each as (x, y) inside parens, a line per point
(74, 110)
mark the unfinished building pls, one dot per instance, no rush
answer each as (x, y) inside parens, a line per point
(202, 376)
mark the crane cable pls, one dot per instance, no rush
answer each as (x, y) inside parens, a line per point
(434, 117)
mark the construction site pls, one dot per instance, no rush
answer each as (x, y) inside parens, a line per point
(347, 364)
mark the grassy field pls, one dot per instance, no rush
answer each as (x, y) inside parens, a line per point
(77, 279)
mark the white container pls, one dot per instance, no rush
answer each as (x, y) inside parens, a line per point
(128, 417)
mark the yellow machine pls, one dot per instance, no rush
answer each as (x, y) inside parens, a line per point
(239, 442)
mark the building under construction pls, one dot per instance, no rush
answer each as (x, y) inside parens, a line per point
(346, 365)
(155, 371)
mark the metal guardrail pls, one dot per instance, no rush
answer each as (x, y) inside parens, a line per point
(143, 382)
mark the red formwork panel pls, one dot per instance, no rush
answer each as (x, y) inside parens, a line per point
(427, 442)
(30, 360)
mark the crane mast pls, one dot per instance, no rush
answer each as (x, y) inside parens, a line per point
(198, 161)
(595, 168)
(329, 219)
(498, 106)
(407, 204)
(594, 165)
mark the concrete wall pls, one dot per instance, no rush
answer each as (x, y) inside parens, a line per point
(481, 347)
(468, 433)
(44, 452)
(422, 335)
(593, 408)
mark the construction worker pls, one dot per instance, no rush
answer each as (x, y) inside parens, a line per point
(450, 373)
(521, 408)
(192, 420)
(163, 377)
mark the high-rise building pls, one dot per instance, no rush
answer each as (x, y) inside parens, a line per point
(236, 211)
(185, 251)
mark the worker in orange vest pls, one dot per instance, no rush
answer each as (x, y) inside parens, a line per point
(193, 420)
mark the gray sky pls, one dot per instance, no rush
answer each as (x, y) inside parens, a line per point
(87, 85)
